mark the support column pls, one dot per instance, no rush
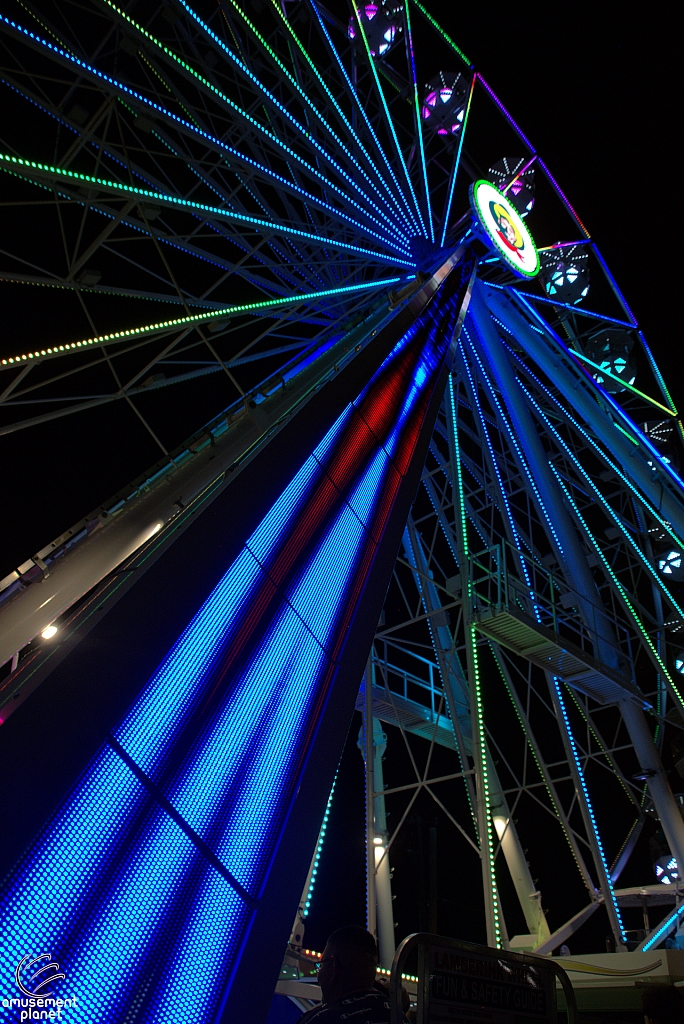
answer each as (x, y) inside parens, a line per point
(383, 884)
(482, 808)
(369, 760)
(528, 895)
(379, 911)
(658, 786)
(574, 562)
(455, 683)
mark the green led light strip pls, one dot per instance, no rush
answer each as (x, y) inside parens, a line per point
(585, 359)
(549, 792)
(441, 31)
(283, 109)
(304, 95)
(390, 122)
(611, 512)
(233, 106)
(198, 318)
(486, 842)
(15, 162)
(348, 124)
(621, 590)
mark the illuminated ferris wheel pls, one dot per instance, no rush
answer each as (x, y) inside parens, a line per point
(211, 212)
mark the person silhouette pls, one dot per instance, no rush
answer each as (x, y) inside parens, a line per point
(346, 974)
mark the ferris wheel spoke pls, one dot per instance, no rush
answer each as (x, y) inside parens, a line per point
(103, 289)
(568, 318)
(446, 215)
(335, 139)
(387, 192)
(599, 856)
(606, 753)
(593, 446)
(241, 357)
(521, 711)
(628, 605)
(388, 119)
(418, 121)
(642, 559)
(149, 330)
(159, 110)
(301, 130)
(403, 209)
(80, 403)
(56, 177)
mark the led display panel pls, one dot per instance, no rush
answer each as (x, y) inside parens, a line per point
(505, 231)
(146, 882)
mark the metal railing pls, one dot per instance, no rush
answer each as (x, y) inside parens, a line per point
(503, 578)
(412, 687)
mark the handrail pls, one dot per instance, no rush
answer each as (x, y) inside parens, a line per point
(542, 598)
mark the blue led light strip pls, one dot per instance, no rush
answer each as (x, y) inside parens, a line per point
(665, 927)
(590, 810)
(302, 129)
(139, 896)
(345, 120)
(362, 110)
(547, 332)
(495, 464)
(69, 58)
(645, 562)
(419, 119)
(317, 852)
(619, 587)
(590, 440)
(457, 161)
(522, 462)
(390, 123)
(307, 100)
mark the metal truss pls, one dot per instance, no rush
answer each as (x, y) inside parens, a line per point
(201, 197)
(484, 586)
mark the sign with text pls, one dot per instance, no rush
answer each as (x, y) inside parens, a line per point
(462, 983)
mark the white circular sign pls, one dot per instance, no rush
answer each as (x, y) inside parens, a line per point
(504, 228)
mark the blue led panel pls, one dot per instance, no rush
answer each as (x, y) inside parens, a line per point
(145, 883)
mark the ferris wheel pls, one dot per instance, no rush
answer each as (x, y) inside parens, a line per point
(211, 211)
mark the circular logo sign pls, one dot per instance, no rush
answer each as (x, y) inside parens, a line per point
(504, 228)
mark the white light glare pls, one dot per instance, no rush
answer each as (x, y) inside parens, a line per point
(500, 824)
(48, 632)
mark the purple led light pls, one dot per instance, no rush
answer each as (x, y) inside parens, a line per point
(508, 117)
(563, 196)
